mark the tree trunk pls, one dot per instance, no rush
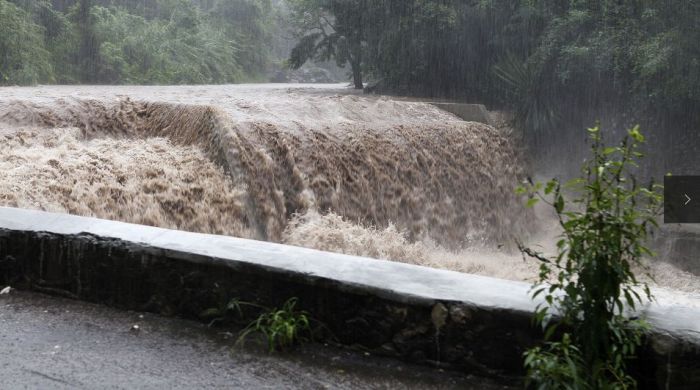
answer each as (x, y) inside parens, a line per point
(357, 75)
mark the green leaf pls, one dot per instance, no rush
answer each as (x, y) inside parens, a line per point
(610, 150)
(550, 331)
(559, 204)
(551, 185)
(635, 134)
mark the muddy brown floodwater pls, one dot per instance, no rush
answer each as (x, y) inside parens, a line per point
(315, 166)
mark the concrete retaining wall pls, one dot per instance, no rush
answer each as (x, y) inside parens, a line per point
(680, 245)
(468, 112)
(473, 323)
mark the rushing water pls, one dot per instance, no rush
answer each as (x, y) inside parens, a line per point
(316, 167)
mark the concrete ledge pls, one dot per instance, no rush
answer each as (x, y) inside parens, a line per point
(681, 245)
(468, 112)
(390, 308)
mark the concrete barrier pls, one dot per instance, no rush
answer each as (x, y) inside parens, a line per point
(680, 245)
(473, 323)
(467, 112)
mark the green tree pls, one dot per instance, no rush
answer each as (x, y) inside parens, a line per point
(249, 23)
(87, 49)
(136, 41)
(331, 29)
(23, 56)
(180, 48)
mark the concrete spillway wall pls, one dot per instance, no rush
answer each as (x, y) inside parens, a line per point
(681, 245)
(467, 112)
(474, 323)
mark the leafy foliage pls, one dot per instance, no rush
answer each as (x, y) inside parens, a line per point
(590, 285)
(331, 29)
(23, 57)
(248, 23)
(181, 49)
(128, 41)
(282, 328)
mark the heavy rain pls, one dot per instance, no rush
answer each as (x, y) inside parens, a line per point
(445, 134)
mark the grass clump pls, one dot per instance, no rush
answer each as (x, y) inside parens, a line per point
(282, 328)
(590, 286)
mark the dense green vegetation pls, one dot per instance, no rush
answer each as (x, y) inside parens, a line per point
(24, 58)
(590, 285)
(140, 42)
(330, 29)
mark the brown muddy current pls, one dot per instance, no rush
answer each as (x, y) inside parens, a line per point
(316, 167)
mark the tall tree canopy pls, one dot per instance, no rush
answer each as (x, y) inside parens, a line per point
(331, 29)
(134, 41)
(23, 56)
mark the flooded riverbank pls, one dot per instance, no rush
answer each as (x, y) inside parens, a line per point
(315, 166)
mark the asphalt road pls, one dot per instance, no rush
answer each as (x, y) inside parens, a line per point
(48, 342)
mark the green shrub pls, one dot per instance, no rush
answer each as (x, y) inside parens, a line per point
(282, 328)
(590, 286)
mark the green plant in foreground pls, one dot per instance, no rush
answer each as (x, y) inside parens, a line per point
(590, 285)
(282, 328)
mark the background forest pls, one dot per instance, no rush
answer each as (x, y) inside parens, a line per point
(134, 41)
(558, 64)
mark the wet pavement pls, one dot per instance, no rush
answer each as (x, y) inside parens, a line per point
(49, 342)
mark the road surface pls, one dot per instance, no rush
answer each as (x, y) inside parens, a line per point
(49, 342)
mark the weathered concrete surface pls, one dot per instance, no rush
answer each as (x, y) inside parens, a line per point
(55, 343)
(680, 245)
(407, 283)
(390, 308)
(467, 112)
